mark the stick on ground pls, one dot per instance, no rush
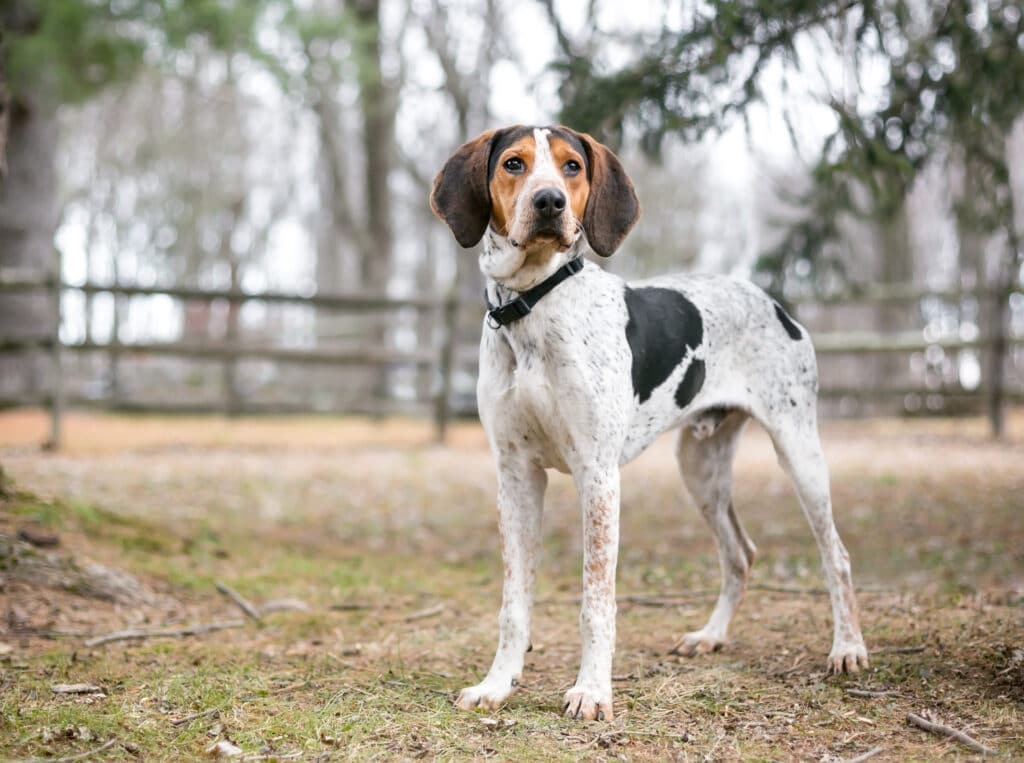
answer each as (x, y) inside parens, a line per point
(241, 602)
(135, 634)
(783, 588)
(948, 731)
(865, 756)
(901, 649)
(195, 716)
(80, 756)
(424, 614)
(284, 605)
(76, 689)
(869, 693)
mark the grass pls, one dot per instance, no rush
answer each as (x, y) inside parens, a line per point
(932, 515)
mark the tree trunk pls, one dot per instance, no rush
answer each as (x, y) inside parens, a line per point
(378, 107)
(5, 107)
(896, 266)
(28, 221)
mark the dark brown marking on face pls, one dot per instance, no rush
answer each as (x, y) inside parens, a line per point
(577, 186)
(506, 184)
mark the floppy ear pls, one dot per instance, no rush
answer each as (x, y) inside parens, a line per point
(612, 206)
(460, 196)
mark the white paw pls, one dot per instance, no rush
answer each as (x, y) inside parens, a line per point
(489, 695)
(698, 642)
(586, 703)
(847, 657)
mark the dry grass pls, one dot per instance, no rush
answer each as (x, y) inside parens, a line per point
(371, 516)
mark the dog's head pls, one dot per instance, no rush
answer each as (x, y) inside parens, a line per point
(538, 188)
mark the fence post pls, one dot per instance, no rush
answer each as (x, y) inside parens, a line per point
(997, 359)
(114, 348)
(232, 398)
(57, 368)
(442, 407)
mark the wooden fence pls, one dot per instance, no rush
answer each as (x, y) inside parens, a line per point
(440, 358)
(445, 357)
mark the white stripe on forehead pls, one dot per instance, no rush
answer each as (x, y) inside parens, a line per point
(540, 137)
(543, 174)
(543, 161)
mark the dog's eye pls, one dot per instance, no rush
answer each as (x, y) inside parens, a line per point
(571, 167)
(514, 165)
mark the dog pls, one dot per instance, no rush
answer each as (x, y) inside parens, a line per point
(581, 371)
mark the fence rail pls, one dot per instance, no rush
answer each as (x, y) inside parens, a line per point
(446, 357)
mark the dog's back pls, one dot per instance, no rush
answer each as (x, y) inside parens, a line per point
(730, 345)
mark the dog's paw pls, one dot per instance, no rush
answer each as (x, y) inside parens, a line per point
(847, 657)
(487, 695)
(697, 642)
(588, 704)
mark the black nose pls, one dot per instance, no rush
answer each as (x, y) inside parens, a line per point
(549, 203)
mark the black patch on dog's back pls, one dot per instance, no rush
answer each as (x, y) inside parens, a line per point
(787, 323)
(692, 381)
(663, 327)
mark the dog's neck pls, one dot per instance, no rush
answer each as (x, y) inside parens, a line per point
(511, 270)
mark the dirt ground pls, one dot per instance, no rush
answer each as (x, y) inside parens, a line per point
(391, 543)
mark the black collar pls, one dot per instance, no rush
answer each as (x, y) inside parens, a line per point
(520, 307)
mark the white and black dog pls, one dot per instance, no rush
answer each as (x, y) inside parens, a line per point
(580, 372)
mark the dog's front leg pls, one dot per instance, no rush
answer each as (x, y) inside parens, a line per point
(520, 507)
(591, 697)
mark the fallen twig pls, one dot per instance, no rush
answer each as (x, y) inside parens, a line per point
(870, 694)
(661, 600)
(949, 731)
(655, 601)
(425, 613)
(349, 607)
(239, 600)
(284, 605)
(76, 689)
(38, 538)
(902, 649)
(196, 716)
(865, 756)
(405, 685)
(275, 756)
(783, 588)
(133, 634)
(80, 756)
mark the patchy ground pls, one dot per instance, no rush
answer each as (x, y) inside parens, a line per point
(392, 544)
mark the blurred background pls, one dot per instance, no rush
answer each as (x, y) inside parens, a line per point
(214, 212)
(221, 205)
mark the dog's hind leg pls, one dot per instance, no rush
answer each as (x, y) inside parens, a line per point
(799, 451)
(706, 465)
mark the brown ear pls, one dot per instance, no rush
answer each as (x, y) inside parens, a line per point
(612, 206)
(460, 196)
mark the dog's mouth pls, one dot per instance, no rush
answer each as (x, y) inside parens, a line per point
(546, 235)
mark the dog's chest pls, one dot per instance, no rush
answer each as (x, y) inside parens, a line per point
(561, 388)
(544, 405)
